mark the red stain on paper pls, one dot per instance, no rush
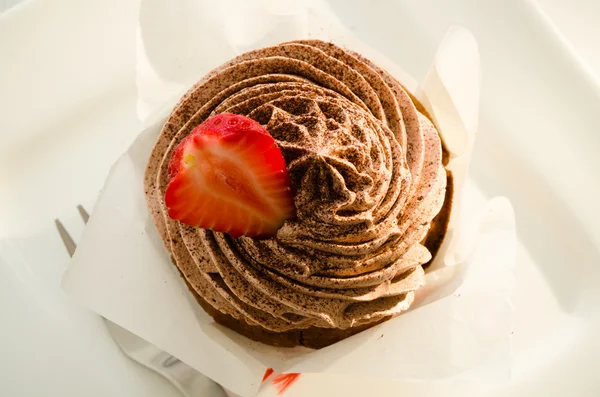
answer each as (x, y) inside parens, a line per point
(283, 381)
(268, 373)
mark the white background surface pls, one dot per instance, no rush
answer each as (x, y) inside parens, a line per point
(71, 101)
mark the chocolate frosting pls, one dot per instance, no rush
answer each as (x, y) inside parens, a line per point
(366, 169)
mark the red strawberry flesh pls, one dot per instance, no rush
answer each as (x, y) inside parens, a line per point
(228, 175)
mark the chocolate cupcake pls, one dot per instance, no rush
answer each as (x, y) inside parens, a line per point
(366, 176)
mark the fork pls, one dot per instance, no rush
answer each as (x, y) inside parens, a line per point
(187, 380)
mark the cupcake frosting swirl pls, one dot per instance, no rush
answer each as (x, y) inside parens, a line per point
(366, 169)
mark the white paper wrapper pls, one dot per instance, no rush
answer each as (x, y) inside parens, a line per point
(459, 327)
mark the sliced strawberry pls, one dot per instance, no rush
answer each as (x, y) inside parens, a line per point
(228, 175)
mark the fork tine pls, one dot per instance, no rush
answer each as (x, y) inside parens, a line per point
(83, 213)
(66, 237)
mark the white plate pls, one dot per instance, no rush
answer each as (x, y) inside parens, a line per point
(72, 100)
